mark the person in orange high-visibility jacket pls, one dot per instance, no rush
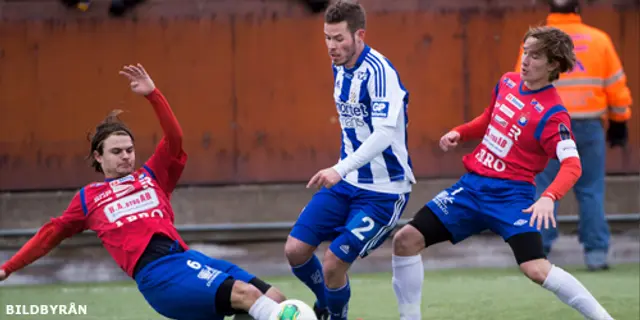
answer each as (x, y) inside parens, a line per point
(595, 89)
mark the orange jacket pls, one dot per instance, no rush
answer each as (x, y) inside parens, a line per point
(597, 85)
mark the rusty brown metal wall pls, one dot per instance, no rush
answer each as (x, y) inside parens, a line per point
(250, 82)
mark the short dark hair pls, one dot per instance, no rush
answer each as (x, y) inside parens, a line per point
(565, 6)
(350, 11)
(557, 45)
(111, 125)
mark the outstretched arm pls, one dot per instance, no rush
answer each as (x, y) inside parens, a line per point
(472, 130)
(48, 237)
(141, 83)
(169, 159)
(476, 128)
(168, 121)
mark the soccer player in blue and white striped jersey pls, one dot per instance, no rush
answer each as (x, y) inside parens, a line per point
(364, 194)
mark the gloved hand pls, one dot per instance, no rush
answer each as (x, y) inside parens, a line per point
(617, 134)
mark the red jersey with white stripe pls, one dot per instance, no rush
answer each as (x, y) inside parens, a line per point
(524, 129)
(126, 212)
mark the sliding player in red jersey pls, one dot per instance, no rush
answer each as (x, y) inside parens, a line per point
(131, 213)
(525, 126)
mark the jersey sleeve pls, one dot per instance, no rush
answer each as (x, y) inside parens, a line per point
(165, 167)
(476, 128)
(72, 220)
(52, 233)
(556, 137)
(169, 159)
(387, 95)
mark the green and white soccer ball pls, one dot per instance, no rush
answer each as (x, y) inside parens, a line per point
(293, 310)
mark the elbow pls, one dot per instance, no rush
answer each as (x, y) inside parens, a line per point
(174, 141)
(174, 133)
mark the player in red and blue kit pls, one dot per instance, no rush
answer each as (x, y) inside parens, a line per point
(131, 213)
(524, 126)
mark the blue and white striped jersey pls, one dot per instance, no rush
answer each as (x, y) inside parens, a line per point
(370, 97)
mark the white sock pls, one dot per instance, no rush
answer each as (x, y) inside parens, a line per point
(408, 275)
(263, 308)
(570, 291)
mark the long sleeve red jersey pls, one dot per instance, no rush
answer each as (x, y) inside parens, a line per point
(126, 212)
(521, 130)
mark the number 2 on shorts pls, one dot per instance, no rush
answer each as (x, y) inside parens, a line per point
(363, 226)
(368, 226)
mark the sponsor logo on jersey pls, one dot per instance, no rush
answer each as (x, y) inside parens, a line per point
(490, 161)
(502, 122)
(352, 114)
(510, 83)
(497, 142)
(514, 132)
(507, 111)
(129, 178)
(140, 201)
(522, 121)
(380, 109)
(102, 196)
(515, 101)
(536, 105)
(351, 109)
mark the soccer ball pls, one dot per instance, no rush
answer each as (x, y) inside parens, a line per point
(293, 310)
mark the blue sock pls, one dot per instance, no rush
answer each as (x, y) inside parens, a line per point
(310, 273)
(338, 301)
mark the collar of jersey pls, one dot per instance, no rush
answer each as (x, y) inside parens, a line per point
(111, 179)
(522, 91)
(563, 18)
(363, 55)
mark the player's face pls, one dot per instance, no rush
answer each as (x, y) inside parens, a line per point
(118, 156)
(535, 66)
(341, 43)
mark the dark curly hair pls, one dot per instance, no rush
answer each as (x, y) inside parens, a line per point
(111, 125)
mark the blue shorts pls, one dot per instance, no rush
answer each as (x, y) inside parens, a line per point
(184, 285)
(357, 221)
(476, 203)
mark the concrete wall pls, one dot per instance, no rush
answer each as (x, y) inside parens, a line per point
(268, 203)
